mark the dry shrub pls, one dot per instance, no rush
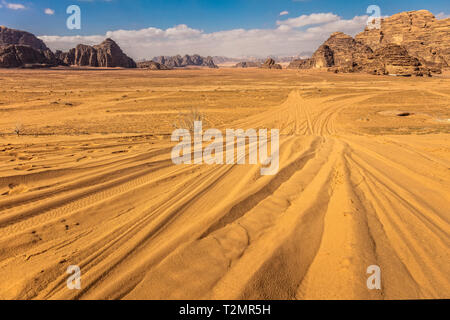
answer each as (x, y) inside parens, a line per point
(186, 120)
(18, 129)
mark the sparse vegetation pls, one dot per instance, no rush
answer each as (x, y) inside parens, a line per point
(18, 129)
(186, 120)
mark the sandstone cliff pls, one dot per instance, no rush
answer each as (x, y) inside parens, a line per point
(14, 56)
(248, 64)
(152, 65)
(339, 50)
(391, 59)
(11, 36)
(271, 64)
(408, 43)
(107, 54)
(20, 48)
(424, 36)
(301, 64)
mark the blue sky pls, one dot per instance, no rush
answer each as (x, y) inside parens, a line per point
(100, 16)
(206, 16)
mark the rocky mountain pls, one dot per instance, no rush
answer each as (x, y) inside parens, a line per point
(22, 49)
(271, 64)
(339, 50)
(248, 64)
(14, 56)
(423, 36)
(186, 61)
(107, 54)
(11, 36)
(152, 65)
(405, 45)
(343, 50)
(301, 64)
(393, 59)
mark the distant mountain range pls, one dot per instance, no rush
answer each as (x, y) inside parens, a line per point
(185, 61)
(220, 60)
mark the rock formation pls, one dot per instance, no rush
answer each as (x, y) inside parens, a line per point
(107, 54)
(339, 50)
(11, 36)
(14, 56)
(186, 61)
(343, 50)
(393, 59)
(423, 36)
(271, 64)
(152, 65)
(408, 43)
(301, 64)
(248, 64)
(23, 49)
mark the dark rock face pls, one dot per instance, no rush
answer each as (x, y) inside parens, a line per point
(271, 64)
(152, 65)
(301, 64)
(107, 54)
(248, 64)
(346, 51)
(14, 56)
(323, 57)
(186, 61)
(12, 36)
(340, 50)
(23, 49)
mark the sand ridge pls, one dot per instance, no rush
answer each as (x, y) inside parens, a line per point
(356, 187)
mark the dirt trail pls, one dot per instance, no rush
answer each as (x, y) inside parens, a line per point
(140, 227)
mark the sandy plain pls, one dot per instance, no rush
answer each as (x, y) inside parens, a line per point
(89, 181)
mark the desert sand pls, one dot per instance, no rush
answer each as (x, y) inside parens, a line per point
(89, 181)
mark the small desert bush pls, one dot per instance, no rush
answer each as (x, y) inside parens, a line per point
(185, 120)
(18, 129)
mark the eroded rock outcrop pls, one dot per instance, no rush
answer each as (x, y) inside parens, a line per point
(339, 50)
(107, 54)
(408, 43)
(301, 64)
(152, 65)
(15, 56)
(23, 49)
(393, 59)
(248, 64)
(419, 32)
(271, 64)
(12, 36)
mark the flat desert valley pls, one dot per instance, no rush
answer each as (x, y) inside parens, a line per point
(87, 179)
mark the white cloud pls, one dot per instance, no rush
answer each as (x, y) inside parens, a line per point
(13, 6)
(352, 26)
(305, 20)
(284, 13)
(442, 15)
(290, 38)
(49, 11)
